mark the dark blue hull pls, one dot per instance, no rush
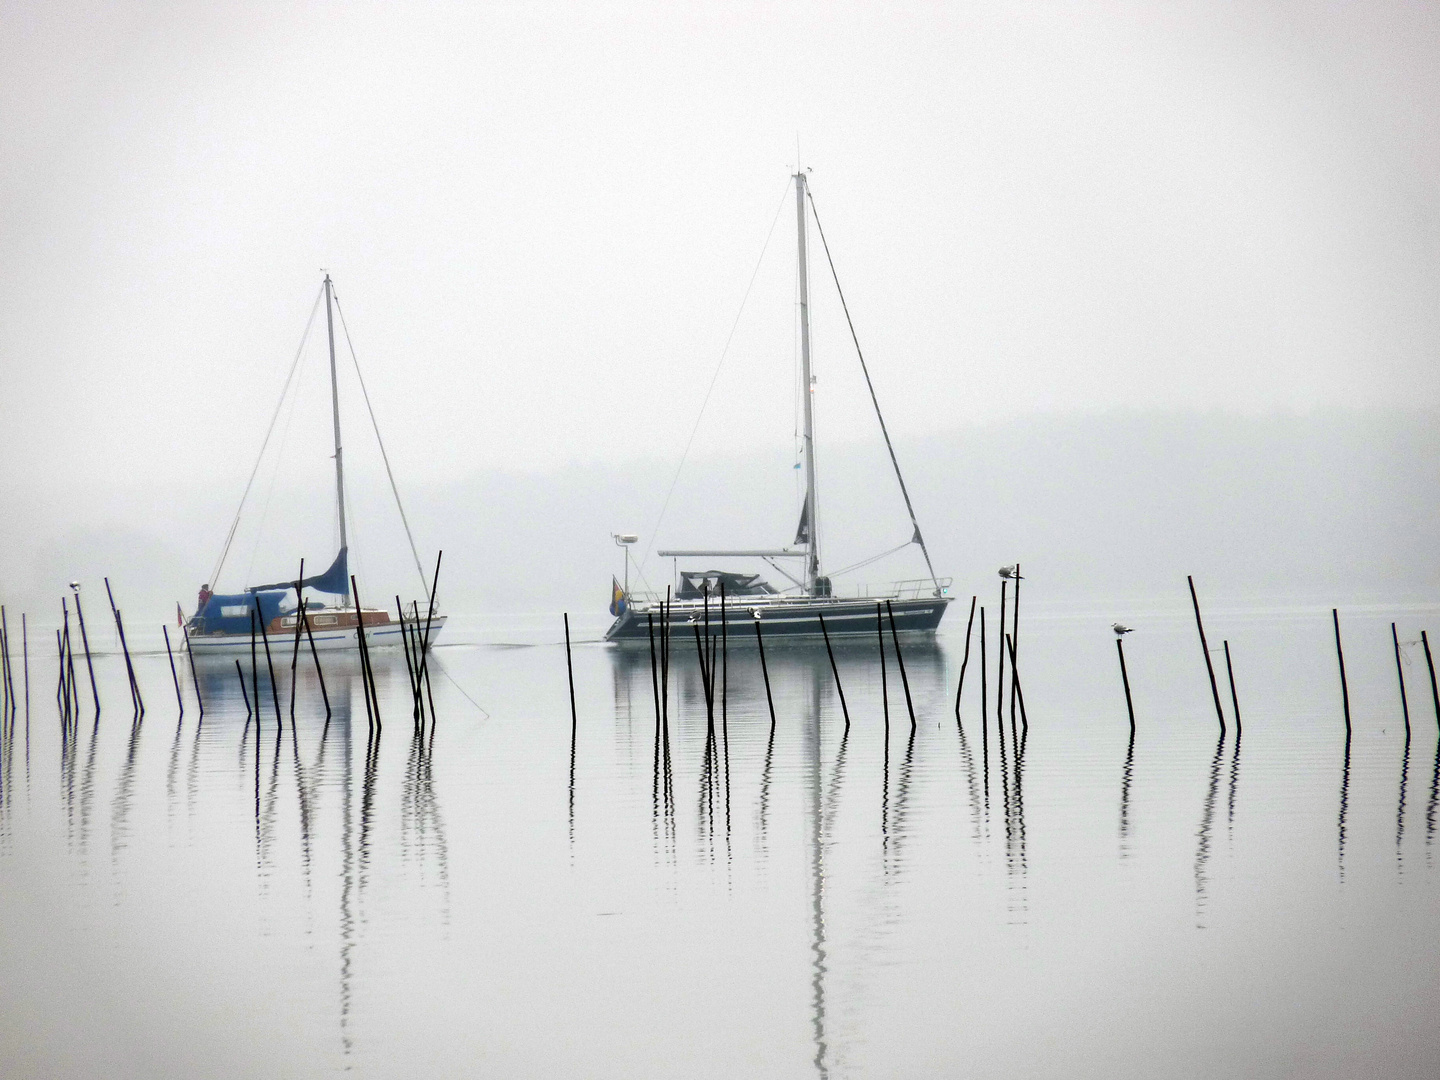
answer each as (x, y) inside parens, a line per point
(783, 618)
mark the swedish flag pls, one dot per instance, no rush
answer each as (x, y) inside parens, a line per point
(618, 603)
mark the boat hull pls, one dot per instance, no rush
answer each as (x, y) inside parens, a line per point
(784, 619)
(377, 636)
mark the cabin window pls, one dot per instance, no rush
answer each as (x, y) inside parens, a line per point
(234, 611)
(324, 620)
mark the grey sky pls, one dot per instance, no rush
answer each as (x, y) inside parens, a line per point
(541, 220)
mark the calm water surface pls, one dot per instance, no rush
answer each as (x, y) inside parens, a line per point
(182, 899)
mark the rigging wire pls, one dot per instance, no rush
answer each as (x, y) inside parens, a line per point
(275, 475)
(230, 536)
(916, 538)
(650, 542)
(871, 559)
(425, 585)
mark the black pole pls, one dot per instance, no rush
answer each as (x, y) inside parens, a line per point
(1019, 696)
(240, 674)
(180, 700)
(367, 672)
(193, 677)
(654, 680)
(364, 679)
(129, 668)
(1000, 657)
(570, 671)
(965, 661)
(254, 669)
(295, 649)
(724, 677)
(1209, 667)
(1424, 639)
(900, 663)
(765, 671)
(409, 667)
(1234, 697)
(269, 666)
(1125, 678)
(25, 655)
(315, 656)
(89, 664)
(429, 619)
(1400, 673)
(704, 679)
(884, 686)
(984, 707)
(1344, 687)
(1015, 649)
(843, 707)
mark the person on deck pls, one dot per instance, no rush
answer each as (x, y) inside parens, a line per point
(205, 595)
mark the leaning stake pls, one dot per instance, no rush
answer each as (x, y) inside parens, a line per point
(1344, 688)
(1209, 667)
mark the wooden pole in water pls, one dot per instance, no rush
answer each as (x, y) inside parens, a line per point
(129, 667)
(295, 648)
(1015, 685)
(765, 671)
(179, 698)
(704, 678)
(367, 672)
(1125, 678)
(240, 674)
(409, 667)
(270, 667)
(193, 677)
(1000, 657)
(1400, 673)
(570, 671)
(425, 644)
(724, 674)
(900, 663)
(843, 707)
(1015, 649)
(884, 688)
(984, 696)
(315, 656)
(1344, 687)
(25, 655)
(255, 669)
(1209, 667)
(654, 675)
(965, 661)
(1424, 639)
(85, 644)
(1234, 697)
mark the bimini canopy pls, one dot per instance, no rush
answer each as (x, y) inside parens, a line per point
(693, 584)
(231, 613)
(335, 581)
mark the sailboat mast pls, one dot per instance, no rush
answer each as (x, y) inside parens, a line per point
(335, 413)
(807, 381)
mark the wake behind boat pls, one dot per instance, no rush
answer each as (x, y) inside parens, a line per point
(810, 606)
(282, 612)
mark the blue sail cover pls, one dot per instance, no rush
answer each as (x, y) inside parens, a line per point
(230, 613)
(335, 581)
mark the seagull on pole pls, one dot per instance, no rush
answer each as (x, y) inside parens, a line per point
(1010, 572)
(1121, 629)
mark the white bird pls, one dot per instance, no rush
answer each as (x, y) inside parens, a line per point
(1121, 629)
(1009, 572)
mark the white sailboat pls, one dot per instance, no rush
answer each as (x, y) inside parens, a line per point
(810, 606)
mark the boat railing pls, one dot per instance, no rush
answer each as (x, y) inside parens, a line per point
(908, 589)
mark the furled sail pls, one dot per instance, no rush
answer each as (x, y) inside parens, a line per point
(335, 580)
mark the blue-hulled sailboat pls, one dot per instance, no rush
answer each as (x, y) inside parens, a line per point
(229, 623)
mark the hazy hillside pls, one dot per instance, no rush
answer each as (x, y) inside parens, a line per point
(1340, 503)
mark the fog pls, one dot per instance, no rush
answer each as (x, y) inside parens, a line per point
(1334, 505)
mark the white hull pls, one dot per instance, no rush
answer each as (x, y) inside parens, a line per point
(383, 636)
